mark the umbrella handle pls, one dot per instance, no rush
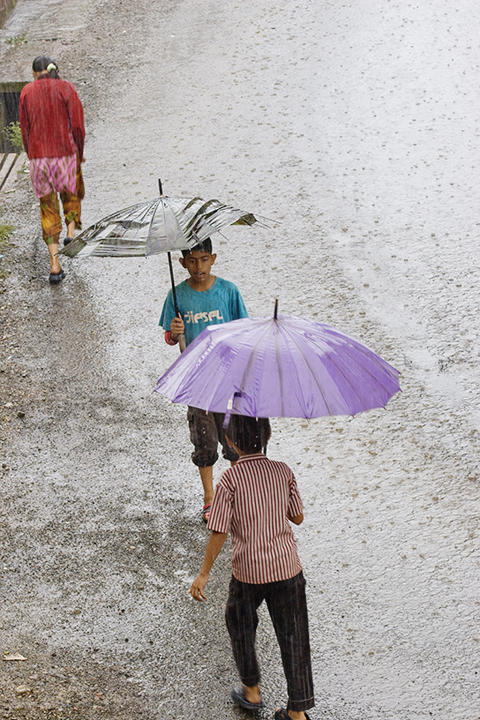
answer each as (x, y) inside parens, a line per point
(181, 342)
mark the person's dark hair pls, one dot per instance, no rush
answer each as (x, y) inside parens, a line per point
(249, 434)
(43, 63)
(205, 245)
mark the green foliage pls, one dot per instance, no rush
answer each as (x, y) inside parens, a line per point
(13, 134)
(5, 232)
(16, 40)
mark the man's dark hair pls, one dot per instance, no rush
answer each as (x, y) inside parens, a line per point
(249, 434)
(205, 245)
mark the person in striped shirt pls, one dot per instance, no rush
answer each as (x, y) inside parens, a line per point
(254, 501)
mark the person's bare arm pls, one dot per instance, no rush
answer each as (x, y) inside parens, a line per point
(297, 520)
(215, 544)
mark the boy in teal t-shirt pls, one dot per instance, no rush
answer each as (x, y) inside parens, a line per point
(203, 299)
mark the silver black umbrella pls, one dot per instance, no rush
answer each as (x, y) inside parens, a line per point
(164, 224)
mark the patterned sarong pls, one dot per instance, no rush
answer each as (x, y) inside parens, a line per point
(50, 208)
(53, 175)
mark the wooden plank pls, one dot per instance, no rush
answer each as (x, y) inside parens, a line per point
(13, 174)
(6, 168)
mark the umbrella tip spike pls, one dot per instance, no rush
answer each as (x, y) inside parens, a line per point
(160, 188)
(275, 310)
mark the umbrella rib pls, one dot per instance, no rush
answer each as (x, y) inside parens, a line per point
(250, 362)
(331, 359)
(355, 391)
(363, 351)
(215, 216)
(287, 336)
(151, 222)
(365, 369)
(174, 215)
(307, 363)
(219, 377)
(201, 212)
(219, 381)
(279, 365)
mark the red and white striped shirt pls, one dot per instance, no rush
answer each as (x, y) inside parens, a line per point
(253, 501)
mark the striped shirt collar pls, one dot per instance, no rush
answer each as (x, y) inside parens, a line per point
(255, 456)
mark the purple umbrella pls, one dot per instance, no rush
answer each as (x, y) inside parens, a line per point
(279, 367)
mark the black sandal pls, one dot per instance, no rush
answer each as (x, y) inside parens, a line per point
(282, 714)
(55, 278)
(238, 697)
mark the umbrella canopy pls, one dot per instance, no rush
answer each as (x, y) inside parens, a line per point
(157, 226)
(279, 367)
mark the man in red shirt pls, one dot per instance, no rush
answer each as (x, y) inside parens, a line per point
(51, 121)
(253, 501)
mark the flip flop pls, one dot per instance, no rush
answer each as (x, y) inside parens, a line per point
(206, 512)
(238, 697)
(55, 278)
(282, 714)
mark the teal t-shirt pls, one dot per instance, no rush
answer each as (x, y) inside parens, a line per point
(221, 303)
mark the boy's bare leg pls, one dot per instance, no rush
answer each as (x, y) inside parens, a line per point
(252, 693)
(71, 229)
(54, 262)
(206, 475)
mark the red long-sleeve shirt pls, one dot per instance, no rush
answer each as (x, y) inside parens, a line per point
(51, 119)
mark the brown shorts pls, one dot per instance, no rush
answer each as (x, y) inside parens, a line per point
(206, 431)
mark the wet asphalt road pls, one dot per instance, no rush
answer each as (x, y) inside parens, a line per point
(354, 124)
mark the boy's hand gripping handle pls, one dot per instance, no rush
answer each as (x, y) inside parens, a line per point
(177, 328)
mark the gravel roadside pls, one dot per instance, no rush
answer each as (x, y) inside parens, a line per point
(50, 684)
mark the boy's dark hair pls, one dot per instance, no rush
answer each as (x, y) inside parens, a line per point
(249, 434)
(205, 245)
